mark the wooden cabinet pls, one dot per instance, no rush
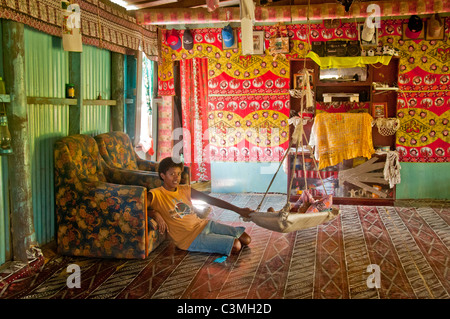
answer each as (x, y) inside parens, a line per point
(369, 186)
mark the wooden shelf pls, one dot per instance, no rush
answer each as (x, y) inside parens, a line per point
(343, 84)
(340, 187)
(99, 102)
(65, 101)
(51, 100)
(386, 88)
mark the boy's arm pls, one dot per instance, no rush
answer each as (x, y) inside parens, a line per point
(244, 212)
(162, 226)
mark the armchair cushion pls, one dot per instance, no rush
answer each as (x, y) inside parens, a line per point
(117, 151)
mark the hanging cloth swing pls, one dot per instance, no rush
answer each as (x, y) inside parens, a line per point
(286, 220)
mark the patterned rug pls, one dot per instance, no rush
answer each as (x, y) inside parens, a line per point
(408, 248)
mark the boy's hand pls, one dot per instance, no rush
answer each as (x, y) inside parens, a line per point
(162, 226)
(245, 212)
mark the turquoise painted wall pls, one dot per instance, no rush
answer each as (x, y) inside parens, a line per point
(418, 180)
(424, 180)
(243, 177)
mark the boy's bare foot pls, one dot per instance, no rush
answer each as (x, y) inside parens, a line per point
(245, 239)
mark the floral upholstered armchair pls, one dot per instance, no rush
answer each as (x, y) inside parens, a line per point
(100, 210)
(117, 151)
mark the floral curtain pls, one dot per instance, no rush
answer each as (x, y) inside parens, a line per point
(194, 102)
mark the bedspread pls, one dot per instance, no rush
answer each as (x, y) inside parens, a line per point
(341, 136)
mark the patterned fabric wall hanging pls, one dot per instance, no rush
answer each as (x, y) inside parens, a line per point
(424, 100)
(194, 97)
(165, 128)
(243, 86)
(103, 23)
(248, 99)
(343, 107)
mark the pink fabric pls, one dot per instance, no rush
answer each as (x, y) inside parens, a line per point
(194, 94)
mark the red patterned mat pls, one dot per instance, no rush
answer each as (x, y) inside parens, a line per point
(410, 247)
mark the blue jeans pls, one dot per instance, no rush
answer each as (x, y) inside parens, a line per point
(216, 238)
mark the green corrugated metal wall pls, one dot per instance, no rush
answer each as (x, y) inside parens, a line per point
(4, 203)
(4, 209)
(96, 72)
(47, 72)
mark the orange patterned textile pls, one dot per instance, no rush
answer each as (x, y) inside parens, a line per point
(341, 136)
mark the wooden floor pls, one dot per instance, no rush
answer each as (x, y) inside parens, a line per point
(410, 244)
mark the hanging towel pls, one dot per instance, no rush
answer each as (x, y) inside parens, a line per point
(392, 168)
(247, 22)
(340, 136)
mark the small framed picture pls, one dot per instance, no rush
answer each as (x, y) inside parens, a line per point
(258, 42)
(298, 78)
(435, 28)
(379, 109)
(279, 45)
(373, 42)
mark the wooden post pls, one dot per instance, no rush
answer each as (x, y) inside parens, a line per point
(19, 166)
(117, 91)
(75, 77)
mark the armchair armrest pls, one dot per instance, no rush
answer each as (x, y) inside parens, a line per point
(145, 165)
(103, 220)
(131, 177)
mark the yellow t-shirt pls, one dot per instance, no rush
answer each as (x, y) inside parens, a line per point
(177, 211)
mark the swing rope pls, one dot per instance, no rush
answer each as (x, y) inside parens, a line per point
(297, 137)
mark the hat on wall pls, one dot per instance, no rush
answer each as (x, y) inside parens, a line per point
(414, 27)
(228, 36)
(173, 40)
(435, 28)
(188, 40)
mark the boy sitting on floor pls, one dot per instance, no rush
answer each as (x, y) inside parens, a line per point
(171, 207)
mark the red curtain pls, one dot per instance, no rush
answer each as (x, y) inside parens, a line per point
(194, 105)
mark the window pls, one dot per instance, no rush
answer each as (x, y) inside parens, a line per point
(144, 107)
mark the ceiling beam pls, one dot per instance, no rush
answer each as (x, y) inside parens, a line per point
(224, 3)
(182, 4)
(152, 4)
(290, 14)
